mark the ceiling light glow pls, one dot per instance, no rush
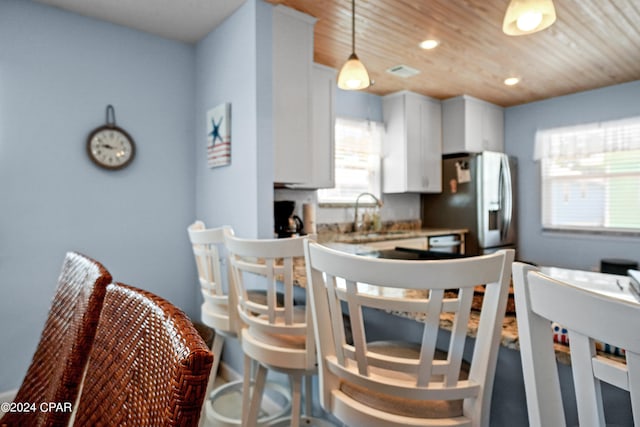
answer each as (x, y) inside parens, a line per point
(429, 44)
(528, 16)
(529, 20)
(512, 81)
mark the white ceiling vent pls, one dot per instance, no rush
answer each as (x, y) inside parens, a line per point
(403, 71)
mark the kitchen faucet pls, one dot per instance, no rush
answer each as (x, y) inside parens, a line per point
(355, 219)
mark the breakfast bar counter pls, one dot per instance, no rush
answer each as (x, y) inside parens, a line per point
(507, 407)
(509, 336)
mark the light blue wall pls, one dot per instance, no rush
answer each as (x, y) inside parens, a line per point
(358, 105)
(58, 71)
(227, 70)
(233, 64)
(521, 123)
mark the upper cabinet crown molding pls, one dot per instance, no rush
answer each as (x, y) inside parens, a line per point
(471, 125)
(412, 145)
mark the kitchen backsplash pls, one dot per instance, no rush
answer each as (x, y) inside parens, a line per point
(397, 207)
(327, 231)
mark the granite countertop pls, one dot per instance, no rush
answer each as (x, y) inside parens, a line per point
(364, 237)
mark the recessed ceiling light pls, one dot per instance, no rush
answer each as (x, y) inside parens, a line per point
(429, 44)
(512, 81)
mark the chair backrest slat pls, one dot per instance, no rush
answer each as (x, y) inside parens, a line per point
(208, 249)
(429, 337)
(205, 244)
(267, 264)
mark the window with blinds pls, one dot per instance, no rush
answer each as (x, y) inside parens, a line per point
(357, 161)
(591, 176)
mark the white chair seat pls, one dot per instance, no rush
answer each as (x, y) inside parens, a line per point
(404, 407)
(214, 318)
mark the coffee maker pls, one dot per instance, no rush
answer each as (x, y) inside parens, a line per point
(286, 223)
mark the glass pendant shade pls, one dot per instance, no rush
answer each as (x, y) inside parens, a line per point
(528, 16)
(353, 75)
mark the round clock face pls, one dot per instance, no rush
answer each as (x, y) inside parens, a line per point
(110, 147)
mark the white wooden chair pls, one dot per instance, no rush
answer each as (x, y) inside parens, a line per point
(219, 312)
(207, 247)
(373, 384)
(587, 316)
(276, 334)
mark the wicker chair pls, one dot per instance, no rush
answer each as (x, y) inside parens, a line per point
(148, 365)
(56, 370)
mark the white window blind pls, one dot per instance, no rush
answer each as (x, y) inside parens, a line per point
(591, 176)
(357, 161)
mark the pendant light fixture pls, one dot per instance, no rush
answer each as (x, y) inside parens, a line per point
(528, 16)
(353, 75)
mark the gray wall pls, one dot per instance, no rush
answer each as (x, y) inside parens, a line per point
(580, 251)
(58, 71)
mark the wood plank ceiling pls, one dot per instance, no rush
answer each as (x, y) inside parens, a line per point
(593, 43)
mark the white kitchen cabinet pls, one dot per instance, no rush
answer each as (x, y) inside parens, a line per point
(471, 125)
(412, 146)
(292, 61)
(322, 131)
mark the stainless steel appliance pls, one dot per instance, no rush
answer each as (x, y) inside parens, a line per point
(478, 194)
(449, 243)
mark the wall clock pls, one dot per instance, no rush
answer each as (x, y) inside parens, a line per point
(109, 146)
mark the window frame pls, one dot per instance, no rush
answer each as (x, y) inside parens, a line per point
(580, 145)
(375, 182)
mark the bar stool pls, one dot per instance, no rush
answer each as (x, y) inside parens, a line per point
(278, 336)
(219, 313)
(403, 383)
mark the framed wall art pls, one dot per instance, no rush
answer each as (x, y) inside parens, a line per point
(219, 135)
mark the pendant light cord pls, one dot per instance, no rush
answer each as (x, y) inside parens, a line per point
(353, 26)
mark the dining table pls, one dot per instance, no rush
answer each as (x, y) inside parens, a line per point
(611, 285)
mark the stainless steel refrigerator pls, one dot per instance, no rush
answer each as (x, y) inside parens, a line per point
(478, 194)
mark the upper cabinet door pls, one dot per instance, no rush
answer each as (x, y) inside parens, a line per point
(323, 123)
(471, 125)
(412, 151)
(292, 62)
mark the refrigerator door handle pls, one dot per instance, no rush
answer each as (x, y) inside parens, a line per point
(506, 196)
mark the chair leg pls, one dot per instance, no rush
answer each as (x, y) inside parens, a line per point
(308, 398)
(296, 398)
(216, 349)
(252, 399)
(246, 386)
